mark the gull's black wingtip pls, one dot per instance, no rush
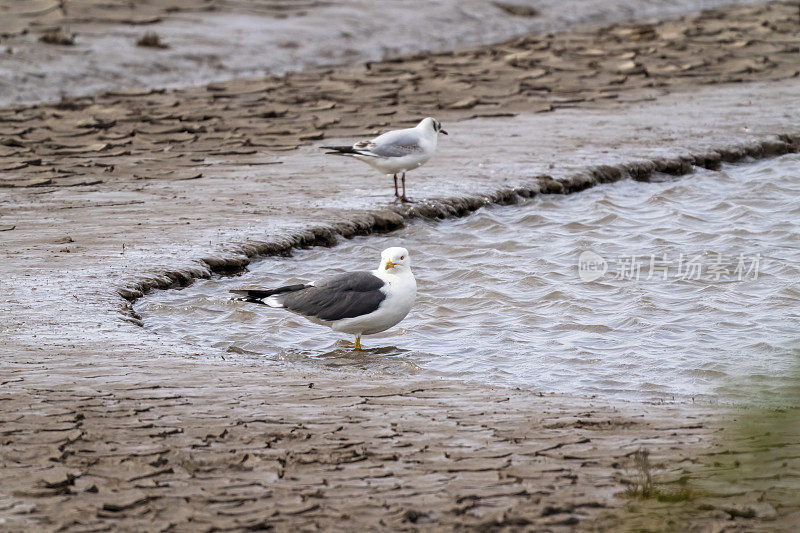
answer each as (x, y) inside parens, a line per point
(257, 296)
(251, 296)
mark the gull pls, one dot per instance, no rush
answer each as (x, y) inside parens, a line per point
(397, 150)
(359, 303)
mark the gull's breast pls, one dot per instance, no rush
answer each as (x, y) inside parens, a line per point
(400, 295)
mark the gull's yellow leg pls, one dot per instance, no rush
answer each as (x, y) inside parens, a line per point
(357, 346)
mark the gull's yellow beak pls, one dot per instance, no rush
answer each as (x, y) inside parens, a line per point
(388, 265)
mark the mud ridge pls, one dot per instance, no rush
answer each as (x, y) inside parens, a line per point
(392, 218)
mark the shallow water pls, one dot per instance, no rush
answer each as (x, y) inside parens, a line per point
(502, 299)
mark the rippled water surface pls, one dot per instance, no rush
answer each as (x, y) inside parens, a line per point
(501, 297)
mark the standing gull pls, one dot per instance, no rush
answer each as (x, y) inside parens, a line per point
(397, 150)
(359, 303)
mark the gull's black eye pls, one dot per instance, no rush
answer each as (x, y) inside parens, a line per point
(402, 257)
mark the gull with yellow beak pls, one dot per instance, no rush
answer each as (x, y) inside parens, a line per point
(359, 303)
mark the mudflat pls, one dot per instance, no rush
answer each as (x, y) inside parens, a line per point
(55, 49)
(158, 134)
(107, 196)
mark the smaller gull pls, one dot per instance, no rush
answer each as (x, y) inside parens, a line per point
(359, 303)
(397, 150)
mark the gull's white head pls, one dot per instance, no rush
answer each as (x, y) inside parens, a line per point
(395, 260)
(432, 125)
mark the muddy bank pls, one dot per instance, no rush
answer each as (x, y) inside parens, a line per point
(242, 447)
(216, 40)
(152, 134)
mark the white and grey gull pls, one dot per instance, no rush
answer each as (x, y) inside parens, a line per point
(396, 151)
(359, 303)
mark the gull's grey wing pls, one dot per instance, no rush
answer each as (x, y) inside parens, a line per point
(396, 143)
(396, 150)
(344, 296)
